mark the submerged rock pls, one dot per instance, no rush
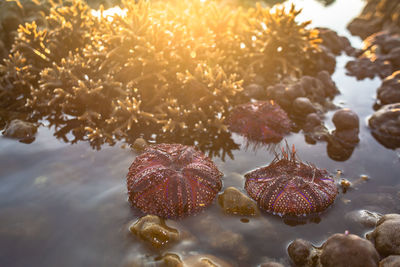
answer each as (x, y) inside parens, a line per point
(154, 231)
(271, 264)
(386, 235)
(232, 201)
(341, 250)
(389, 92)
(385, 125)
(220, 239)
(21, 130)
(205, 261)
(171, 260)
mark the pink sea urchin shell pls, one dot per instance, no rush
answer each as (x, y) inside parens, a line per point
(263, 121)
(172, 180)
(290, 187)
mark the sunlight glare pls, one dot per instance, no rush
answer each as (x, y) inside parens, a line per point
(110, 13)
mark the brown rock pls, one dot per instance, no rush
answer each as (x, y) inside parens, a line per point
(386, 235)
(153, 230)
(341, 250)
(232, 201)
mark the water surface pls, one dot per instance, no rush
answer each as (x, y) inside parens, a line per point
(66, 205)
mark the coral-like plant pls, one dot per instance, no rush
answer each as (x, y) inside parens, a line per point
(174, 69)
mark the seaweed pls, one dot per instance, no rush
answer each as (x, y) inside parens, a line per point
(175, 69)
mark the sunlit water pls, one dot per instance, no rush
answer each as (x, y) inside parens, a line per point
(66, 205)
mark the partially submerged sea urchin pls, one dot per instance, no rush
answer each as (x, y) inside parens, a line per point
(288, 186)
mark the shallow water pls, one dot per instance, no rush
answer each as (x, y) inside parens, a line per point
(66, 205)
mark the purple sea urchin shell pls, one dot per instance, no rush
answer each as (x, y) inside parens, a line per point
(263, 121)
(290, 187)
(172, 180)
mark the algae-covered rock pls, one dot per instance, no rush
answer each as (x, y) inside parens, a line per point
(386, 235)
(154, 231)
(232, 201)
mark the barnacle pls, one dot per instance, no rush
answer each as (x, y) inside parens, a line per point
(163, 70)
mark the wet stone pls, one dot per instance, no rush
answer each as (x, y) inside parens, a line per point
(20, 130)
(140, 144)
(365, 68)
(341, 250)
(389, 92)
(385, 125)
(232, 201)
(312, 121)
(333, 41)
(386, 235)
(154, 231)
(303, 105)
(254, 91)
(345, 119)
(271, 264)
(363, 217)
(294, 91)
(391, 261)
(330, 87)
(205, 261)
(171, 260)
(300, 252)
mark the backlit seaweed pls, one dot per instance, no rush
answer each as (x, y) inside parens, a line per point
(173, 68)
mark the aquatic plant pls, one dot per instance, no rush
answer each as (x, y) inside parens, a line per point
(175, 68)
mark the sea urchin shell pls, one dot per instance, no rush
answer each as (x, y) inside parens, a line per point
(290, 187)
(172, 180)
(263, 121)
